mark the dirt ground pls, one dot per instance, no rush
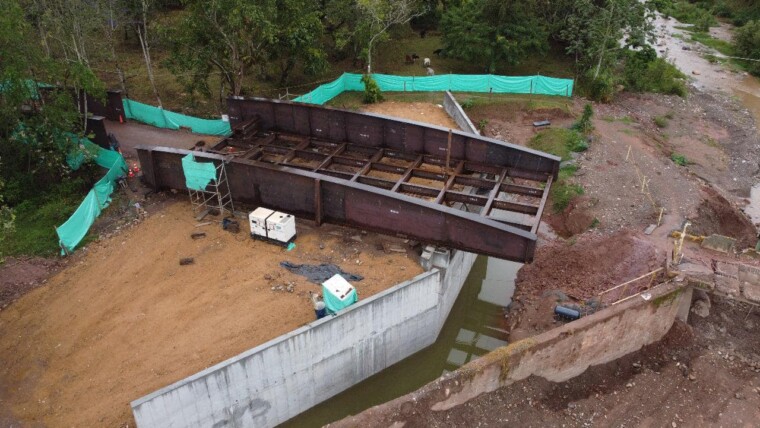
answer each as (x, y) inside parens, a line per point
(132, 134)
(20, 275)
(127, 319)
(121, 318)
(629, 178)
(420, 112)
(706, 373)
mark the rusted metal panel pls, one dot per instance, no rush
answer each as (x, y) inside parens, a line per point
(346, 202)
(395, 135)
(376, 173)
(337, 125)
(302, 119)
(382, 131)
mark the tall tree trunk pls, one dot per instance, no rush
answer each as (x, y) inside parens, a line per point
(114, 57)
(604, 41)
(142, 33)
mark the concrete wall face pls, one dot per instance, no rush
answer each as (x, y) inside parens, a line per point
(454, 110)
(557, 355)
(273, 382)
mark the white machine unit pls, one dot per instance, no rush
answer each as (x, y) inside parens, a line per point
(272, 226)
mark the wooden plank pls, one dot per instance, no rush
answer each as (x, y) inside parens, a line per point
(633, 280)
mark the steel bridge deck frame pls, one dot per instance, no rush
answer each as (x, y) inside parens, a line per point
(372, 185)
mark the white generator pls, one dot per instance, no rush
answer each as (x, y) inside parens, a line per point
(272, 226)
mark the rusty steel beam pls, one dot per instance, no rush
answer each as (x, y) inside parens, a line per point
(377, 131)
(340, 201)
(330, 164)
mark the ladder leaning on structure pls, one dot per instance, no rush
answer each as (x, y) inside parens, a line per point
(207, 185)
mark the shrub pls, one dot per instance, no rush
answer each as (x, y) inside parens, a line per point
(482, 125)
(468, 104)
(562, 193)
(661, 121)
(679, 159)
(602, 88)
(645, 72)
(747, 44)
(689, 13)
(584, 124)
(372, 92)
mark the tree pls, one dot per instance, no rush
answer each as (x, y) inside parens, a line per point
(490, 32)
(594, 31)
(36, 130)
(71, 35)
(297, 38)
(229, 36)
(139, 10)
(380, 15)
(341, 21)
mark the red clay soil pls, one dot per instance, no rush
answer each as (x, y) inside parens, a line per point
(577, 218)
(589, 264)
(716, 215)
(511, 123)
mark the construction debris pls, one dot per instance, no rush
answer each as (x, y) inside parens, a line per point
(198, 235)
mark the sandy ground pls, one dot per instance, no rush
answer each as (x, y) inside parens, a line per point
(127, 319)
(420, 112)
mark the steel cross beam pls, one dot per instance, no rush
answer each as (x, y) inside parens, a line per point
(323, 154)
(340, 201)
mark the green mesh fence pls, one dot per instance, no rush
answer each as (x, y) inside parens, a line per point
(197, 174)
(540, 85)
(71, 233)
(161, 118)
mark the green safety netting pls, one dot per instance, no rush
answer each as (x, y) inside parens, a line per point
(30, 86)
(540, 85)
(197, 174)
(71, 233)
(161, 118)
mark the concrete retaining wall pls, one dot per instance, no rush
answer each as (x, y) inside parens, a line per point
(454, 110)
(557, 355)
(273, 382)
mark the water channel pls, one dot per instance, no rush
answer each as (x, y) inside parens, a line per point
(474, 327)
